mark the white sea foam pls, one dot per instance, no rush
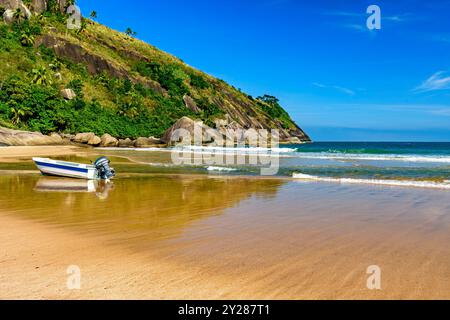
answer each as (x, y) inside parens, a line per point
(371, 157)
(212, 168)
(244, 150)
(396, 183)
(292, 153)
(206, 150)
(135, 149)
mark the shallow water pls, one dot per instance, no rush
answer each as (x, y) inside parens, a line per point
(361, 161)
(266, 238)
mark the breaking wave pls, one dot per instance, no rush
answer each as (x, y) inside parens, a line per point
(396, 183)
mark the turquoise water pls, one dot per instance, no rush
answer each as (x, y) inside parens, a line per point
(370, 160)
(391, 148)
(361, 160)
(367, 161)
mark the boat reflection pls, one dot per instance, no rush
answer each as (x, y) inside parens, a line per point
(100, 187)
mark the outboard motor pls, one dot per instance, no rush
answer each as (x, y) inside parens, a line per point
(105, 172)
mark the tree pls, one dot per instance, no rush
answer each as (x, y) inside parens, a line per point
(130, 32)
(18, 15)
(26, 39)
(55, 65)
(270, 100)
(93, 15)
(40, 76)
(17, 114)
(82, 28)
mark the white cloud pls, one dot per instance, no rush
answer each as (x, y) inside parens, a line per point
(339, 88)
(438, 81)
(345, 90)
(320, 85)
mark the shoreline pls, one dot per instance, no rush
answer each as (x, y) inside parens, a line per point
(17, 160)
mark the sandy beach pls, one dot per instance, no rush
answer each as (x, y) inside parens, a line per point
(211, 237)
(13, 154)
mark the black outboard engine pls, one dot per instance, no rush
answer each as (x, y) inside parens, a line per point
(105, 172)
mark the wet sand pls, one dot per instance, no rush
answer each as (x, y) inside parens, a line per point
(204, 237)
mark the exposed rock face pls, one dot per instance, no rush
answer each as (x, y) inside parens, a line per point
(68, 94)
(39, 6)
(25, 10)
(108, 141)
(95, 64)
(147, 142)
(16, 4)
(190, 103)
(126, 143)
(11, 137)
(94, 141)
(188, 131)
(245, 116)
(62, 5)
(10, 4)
(8, 16)
(83, 137)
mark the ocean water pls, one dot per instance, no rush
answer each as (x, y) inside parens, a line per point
(388, 163)
(424, 165)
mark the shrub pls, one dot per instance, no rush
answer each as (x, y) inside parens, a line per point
(199, 82)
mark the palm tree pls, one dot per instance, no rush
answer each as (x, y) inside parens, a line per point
(82, 28)
(40, 76)
(17, 115)
(93, 15)
(27, 39)
(55, 65)
(18, 15)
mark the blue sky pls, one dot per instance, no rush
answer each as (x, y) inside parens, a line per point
(338, 79)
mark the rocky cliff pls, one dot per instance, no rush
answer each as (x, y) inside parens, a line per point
(118, 84)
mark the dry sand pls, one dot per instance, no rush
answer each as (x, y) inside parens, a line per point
(11, 154)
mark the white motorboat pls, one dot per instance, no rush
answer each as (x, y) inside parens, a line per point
(99, 170)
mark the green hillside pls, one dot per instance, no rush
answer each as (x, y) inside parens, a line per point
(123, 86)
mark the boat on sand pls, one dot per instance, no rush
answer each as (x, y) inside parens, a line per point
(99, 170)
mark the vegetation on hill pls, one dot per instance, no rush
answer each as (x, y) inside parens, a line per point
(131, 89)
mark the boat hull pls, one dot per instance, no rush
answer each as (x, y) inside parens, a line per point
(65, 169)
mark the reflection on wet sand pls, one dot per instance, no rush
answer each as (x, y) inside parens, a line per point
(140, 207)
(100, 187)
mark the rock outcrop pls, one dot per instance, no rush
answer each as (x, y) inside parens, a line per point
(188, 131)
(126, 143)
(88, 138)
(83, 137)
(190, 103)
(94, 141)
(8, 16)
(147, 142)
(9, 137)
(108, 141)
(39, 6)
(68, 94)
(94, 63)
